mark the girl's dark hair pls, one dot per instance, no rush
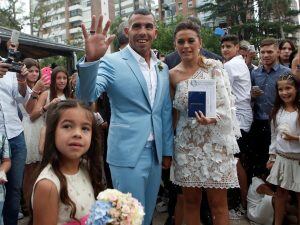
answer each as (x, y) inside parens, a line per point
(29, 62)
(289, 77)
(53, 91)
(91, 159)
(189, 25)
(281, 44)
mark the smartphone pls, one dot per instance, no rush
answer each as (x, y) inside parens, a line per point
(46, 72)
(15, 34)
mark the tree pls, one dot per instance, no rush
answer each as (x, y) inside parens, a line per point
(9, 15)
(40, 15)
(254, 20)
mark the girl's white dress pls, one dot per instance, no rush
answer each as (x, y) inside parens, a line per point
(286, 169)
(32, 132)
(80, 191)
(204, 154)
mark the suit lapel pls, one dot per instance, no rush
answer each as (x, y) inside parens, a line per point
(136, 71)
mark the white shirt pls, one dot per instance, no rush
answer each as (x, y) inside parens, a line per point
(240, 81)
(285, 122)
(10, 123)
(149, 74)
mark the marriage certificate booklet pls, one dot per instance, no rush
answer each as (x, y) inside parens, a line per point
(202, 97)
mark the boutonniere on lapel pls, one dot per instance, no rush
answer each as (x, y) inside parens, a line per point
(160, 66)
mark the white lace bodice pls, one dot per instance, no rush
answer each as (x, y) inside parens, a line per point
(204, 153)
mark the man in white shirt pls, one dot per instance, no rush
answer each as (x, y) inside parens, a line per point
(240, 80)
(13, 90)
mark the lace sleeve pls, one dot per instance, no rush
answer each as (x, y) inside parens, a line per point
(225, 102)
(274, 132)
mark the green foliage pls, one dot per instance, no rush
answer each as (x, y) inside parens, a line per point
(114, 29)
(9, 16)
(164, 42)
(59, 60)
(210, 41)
(273, 17)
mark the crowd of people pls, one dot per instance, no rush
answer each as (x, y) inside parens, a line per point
(123, 117)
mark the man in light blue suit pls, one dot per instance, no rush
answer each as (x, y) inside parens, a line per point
(140, 139)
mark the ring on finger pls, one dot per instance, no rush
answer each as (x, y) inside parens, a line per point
(92, 32)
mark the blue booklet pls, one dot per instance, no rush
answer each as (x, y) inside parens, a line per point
(196, 102)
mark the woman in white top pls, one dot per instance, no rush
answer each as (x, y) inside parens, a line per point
(285, 144)
(31, 129)
(59, 90)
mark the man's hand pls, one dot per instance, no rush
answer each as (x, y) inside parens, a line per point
(96, 43)
(166, 162)
(4, 68)
(23, 75)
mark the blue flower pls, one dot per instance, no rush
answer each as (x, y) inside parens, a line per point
(99, 213)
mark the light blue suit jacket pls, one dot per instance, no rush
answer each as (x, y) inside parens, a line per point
(132, 117)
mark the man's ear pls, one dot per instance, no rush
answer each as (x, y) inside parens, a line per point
(126, 31)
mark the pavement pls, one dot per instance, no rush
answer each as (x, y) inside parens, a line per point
(159, 219)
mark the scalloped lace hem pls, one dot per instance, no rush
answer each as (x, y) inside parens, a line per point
(207, 185)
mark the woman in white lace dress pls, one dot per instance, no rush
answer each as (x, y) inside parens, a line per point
(204, 147)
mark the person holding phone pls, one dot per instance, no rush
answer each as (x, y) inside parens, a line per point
(263, 91)
(59, 90)
(13, 90)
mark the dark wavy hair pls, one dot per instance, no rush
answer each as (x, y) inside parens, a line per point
(91, 159)
(53, 91)
(281, 44)
(289, 77)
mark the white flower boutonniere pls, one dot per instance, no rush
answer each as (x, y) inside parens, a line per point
(160, 66)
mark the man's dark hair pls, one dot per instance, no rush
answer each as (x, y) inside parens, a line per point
(268, 42)
(141, 11)
(230, 38)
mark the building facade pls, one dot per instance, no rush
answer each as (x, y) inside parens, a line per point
(124, 8)
(60, 20)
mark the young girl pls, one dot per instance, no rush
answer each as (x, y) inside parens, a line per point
(285, 144)
(59, 90)
(70, 173)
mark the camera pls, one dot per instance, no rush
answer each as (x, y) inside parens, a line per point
(13, 58)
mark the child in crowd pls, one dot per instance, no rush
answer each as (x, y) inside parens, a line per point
(260, 199)
(70, 174)
(4, 167)
(285, 144)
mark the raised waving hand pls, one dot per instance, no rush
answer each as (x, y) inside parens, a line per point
(96, 42)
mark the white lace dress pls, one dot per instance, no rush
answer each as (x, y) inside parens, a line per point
(204, 154)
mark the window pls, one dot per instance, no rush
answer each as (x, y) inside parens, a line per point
(76, 12)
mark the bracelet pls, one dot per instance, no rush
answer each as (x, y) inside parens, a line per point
(36, 92)
(34, 96)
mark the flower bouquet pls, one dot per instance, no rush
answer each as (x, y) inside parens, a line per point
(115, 208)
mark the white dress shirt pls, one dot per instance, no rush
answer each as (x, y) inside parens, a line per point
(240, 81)
(10, 123)
(150, 76)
